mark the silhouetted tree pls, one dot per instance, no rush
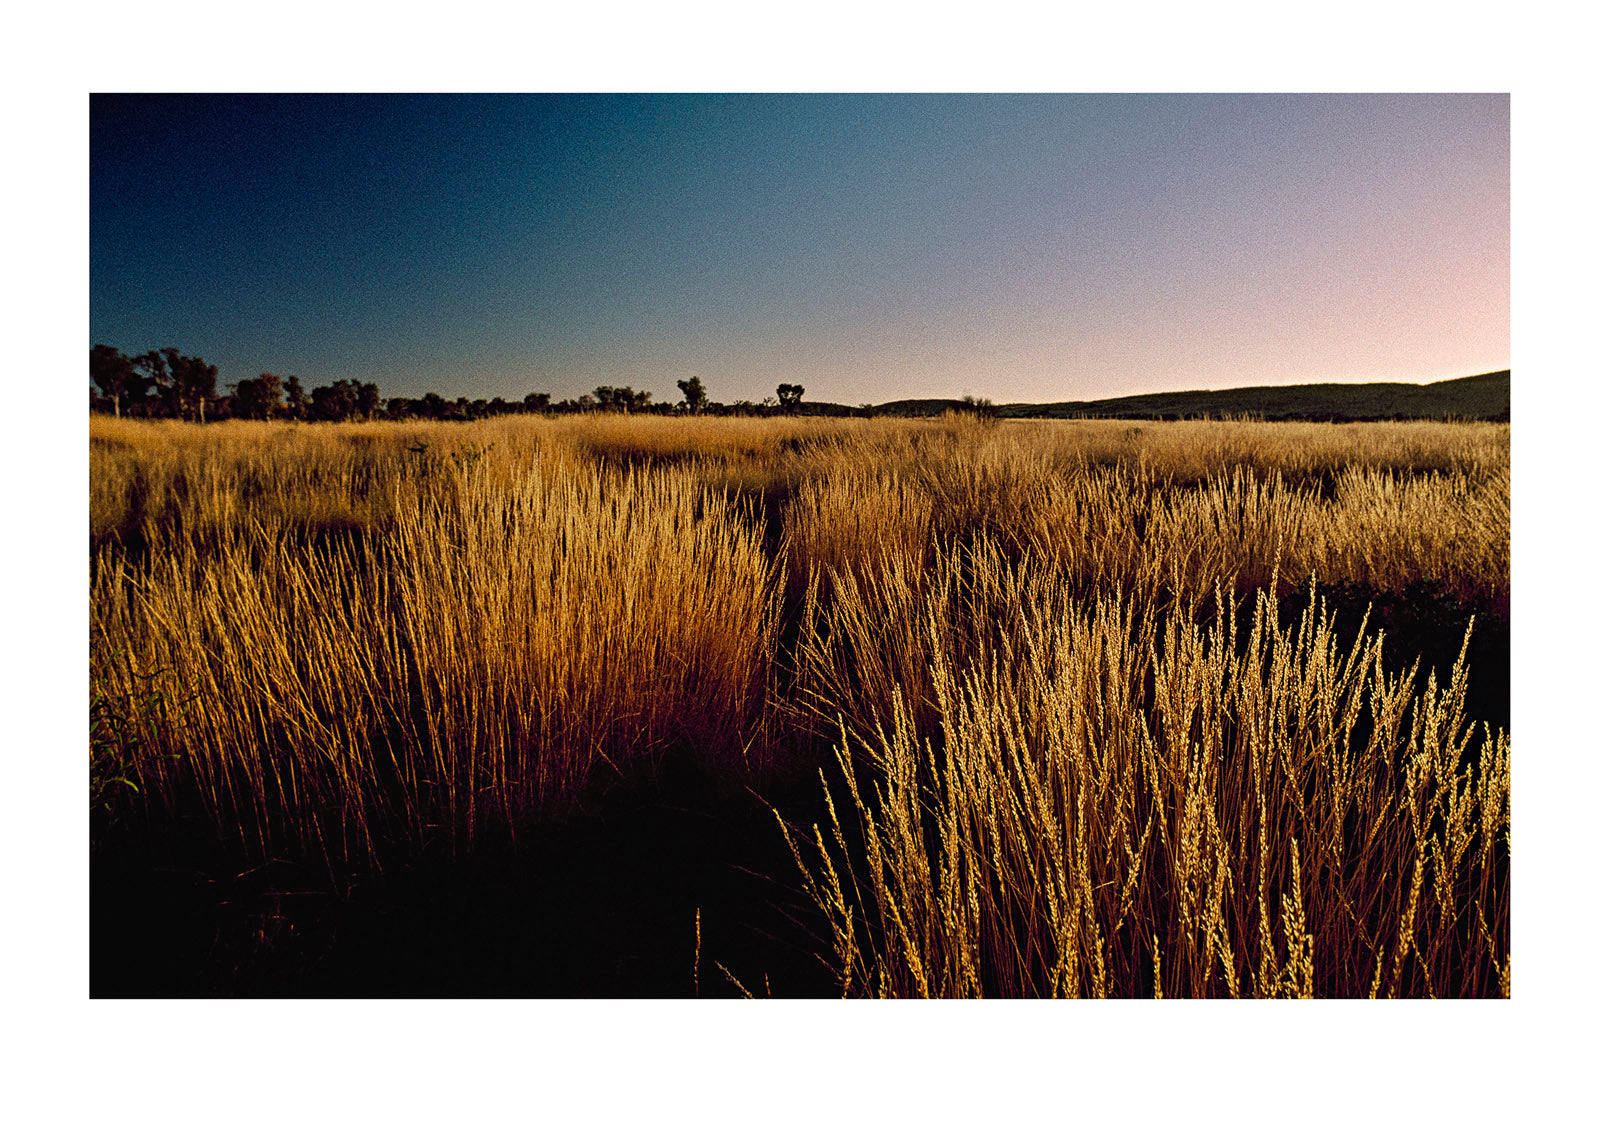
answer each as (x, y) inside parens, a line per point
(258, 398)
(194, 381)
(183, 385)
(981, 407)
(295, 395)
(338, 401)
(367, 399)
(694, 394)
(789, 395)
(153, 373)
(116, 376)
(623, 399)
(536, 402)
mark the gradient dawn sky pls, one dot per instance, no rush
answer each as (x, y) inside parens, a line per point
(1022, 248)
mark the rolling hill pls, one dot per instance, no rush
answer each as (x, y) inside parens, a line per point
(1486, 396)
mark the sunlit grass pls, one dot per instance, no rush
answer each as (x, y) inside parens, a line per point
(1069, 799)
(1071, 744)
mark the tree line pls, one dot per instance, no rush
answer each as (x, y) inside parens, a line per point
(167, 384)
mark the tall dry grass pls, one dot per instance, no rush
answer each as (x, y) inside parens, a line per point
(514, 625)
(1079, 752)
(1100, 799)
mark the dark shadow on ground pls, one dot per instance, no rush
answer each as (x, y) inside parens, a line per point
(598, 904)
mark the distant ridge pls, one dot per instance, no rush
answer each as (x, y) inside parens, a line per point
(1485, 396)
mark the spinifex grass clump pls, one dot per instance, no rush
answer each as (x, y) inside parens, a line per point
(607, 615)
(1118, 801)
(519, 623)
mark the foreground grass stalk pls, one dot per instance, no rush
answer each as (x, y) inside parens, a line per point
(1268, 780)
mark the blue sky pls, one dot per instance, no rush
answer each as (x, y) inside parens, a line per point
(1017, 247)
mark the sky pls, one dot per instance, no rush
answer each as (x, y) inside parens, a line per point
(1021, 248)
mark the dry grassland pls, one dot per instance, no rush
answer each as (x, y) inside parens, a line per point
(1070, 745)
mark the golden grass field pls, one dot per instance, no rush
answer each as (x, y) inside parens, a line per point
(1036, 675)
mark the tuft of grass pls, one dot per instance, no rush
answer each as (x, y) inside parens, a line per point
(1104, 800)
(516, 626)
